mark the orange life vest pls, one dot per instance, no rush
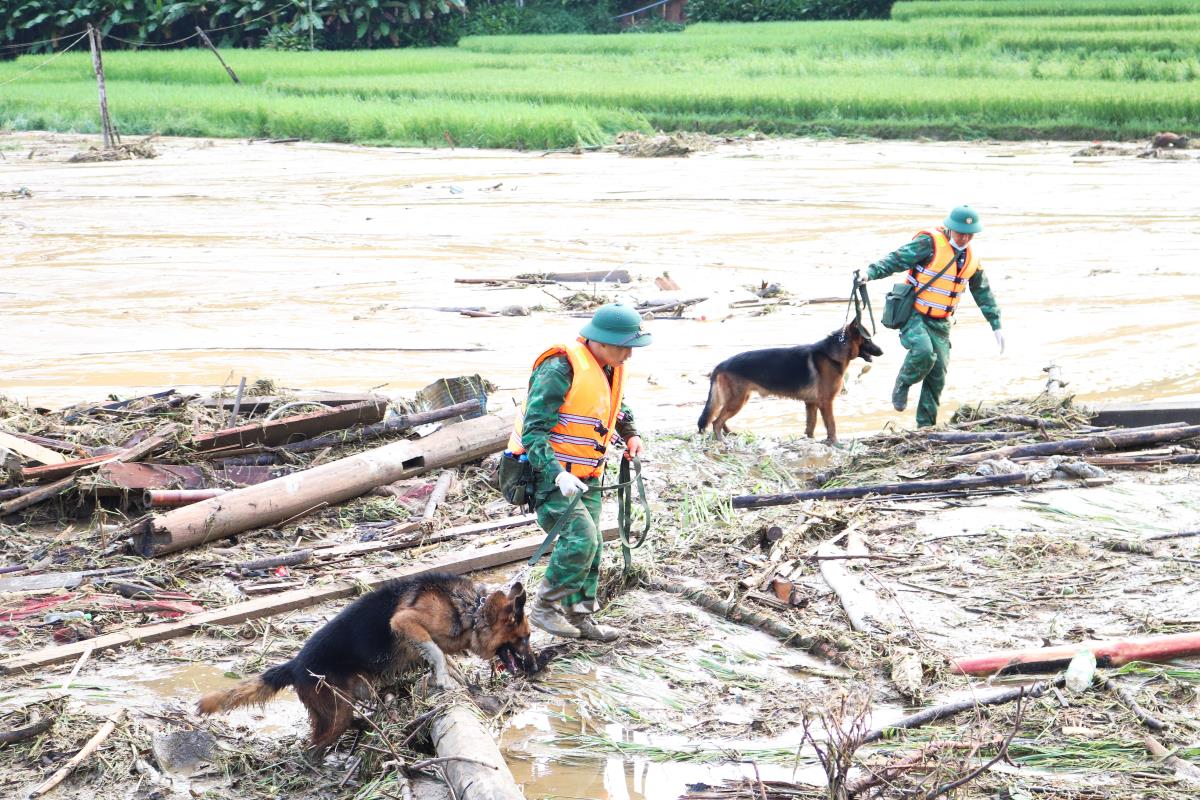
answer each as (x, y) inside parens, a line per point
(588, 415)
(939, 300)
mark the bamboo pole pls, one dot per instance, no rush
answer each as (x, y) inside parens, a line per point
(232, 75)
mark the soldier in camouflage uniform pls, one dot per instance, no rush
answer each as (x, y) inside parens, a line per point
(926, 335)
(574, 406)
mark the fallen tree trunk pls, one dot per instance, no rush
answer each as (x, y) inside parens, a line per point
(473, 765)
(851, 492)
(1101, 441)
(458, 563)
(1108, 654)
(294, 495)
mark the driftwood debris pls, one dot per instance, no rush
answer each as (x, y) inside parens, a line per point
(457, 563)
(92, 746)
(1108, 654)
(35, 728)
(862, 606)
(442, 488)
(1109, 440)
(815, 643)
(30, 450)
(260, 404)
(1186, 771)
(1147, 719)
(950, 709)
(472, 764)
(280, 431)
(299, 493)
(851, 492)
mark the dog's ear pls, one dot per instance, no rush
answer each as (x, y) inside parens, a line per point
(516, 596)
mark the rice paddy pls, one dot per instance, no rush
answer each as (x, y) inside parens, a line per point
(1011, 69)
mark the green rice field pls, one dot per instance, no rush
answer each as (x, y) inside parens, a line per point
(1007, 69)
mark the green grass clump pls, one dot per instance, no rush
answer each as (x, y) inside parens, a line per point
(1098, 73)
(925, 9)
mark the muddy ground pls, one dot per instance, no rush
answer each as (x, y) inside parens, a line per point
(323, 264)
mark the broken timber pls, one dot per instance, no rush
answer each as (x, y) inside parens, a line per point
(1110, 440)
(458, 563)
(293, 495)
(474, 767)
(851, 492)
(262, 403)
(280, 431)
(30, 450)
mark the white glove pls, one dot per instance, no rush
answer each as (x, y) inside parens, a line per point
(999, 340)
(568, 484)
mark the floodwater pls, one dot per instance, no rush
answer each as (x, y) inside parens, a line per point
(322, 266)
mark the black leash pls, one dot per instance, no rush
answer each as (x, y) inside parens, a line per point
(860, 299)
(624, 489)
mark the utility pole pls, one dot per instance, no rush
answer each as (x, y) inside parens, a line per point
(106, 126)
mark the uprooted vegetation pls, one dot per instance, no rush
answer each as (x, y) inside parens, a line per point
(691, 692)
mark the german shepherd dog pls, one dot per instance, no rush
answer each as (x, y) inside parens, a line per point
(384, 633)
(812, 373)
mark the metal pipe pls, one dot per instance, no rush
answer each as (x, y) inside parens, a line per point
(171, 498)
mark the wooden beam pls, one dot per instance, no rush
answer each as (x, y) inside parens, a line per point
(458, 563)
(30, 450)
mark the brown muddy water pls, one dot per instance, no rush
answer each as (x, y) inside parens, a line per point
(321, 266)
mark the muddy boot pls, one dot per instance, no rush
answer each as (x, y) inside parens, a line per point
(594, 631)
(550, 617)
(900, 396)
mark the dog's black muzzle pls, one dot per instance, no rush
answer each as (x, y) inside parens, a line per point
(518, 661)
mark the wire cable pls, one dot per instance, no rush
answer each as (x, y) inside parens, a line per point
(78, 39)
(194, 35)
(35, 44)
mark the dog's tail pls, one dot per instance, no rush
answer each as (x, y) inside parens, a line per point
(250, 692)
(705, 415)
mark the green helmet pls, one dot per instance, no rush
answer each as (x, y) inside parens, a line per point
(616, 324)
(964, 219)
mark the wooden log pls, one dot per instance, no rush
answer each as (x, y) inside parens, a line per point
(860, 603)
(1111, 440)
(35, 728)
(969, 437)
(1149, 720)
(589, 276)
(851, 492)
(36, 496)
(16, 491)
(438, 495)
(1108, 654)
(358, 548)
(280, 431)
(473, 765)
(950, 709)
(286, 560)
(30, 450)
(458, 563)
(106, 127)
(260, 404)
(293, 495)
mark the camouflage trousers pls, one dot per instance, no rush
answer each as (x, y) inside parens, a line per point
(928, 344)
(573, 573)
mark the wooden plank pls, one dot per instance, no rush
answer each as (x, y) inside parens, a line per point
(30, 450)
(459, 563)
(281, 431)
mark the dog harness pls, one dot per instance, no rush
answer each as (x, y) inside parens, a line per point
(940, 296)
(587, 417)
